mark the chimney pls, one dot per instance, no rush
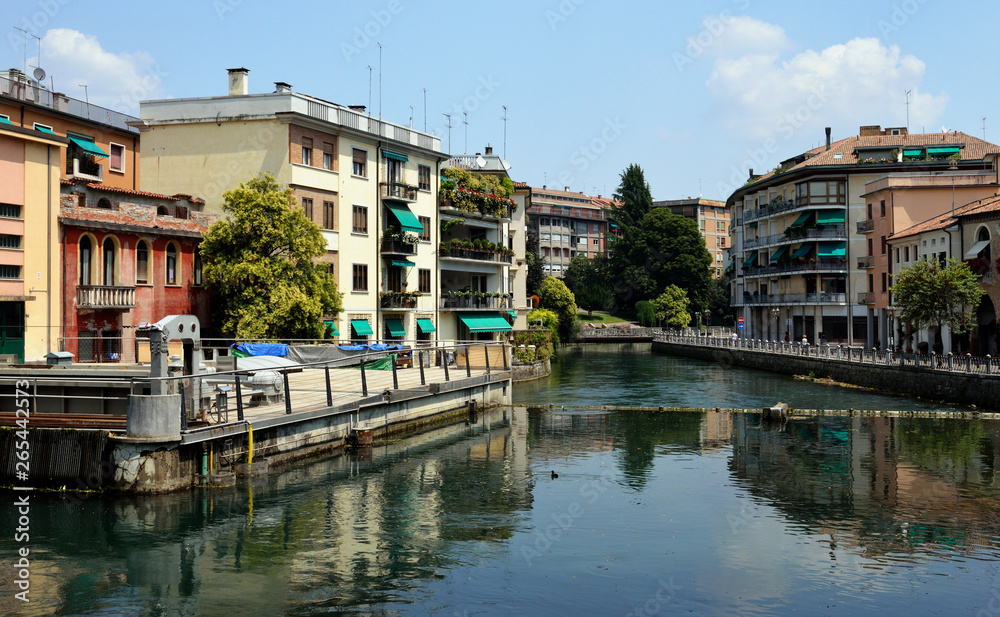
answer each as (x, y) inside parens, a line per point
(357, 108)
(544, 186)
(280, 86)
(239, 84)
(566, 189)
(489, 150)
(827, 138)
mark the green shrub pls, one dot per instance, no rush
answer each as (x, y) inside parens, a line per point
(645, 314)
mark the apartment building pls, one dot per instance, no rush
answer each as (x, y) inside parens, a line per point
(796, 264)
(370, 185)
(712, 217)
(568, 224)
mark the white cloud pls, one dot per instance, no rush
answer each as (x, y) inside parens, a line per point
(845, 86)
(116, 81)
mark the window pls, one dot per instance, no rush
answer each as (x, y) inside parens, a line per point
(871, 247)
(718, 257)
(425, 222)
(8, 241)
(701, 224)
(393, 171)
(307, 207)
(595, 228)
(307, 151)
(360, 273)
(329, 215)
(10, 272)
(884, 245)
(197, 268)
(933, 241)
(142, 263)
(543, 237)
(359, 224)
(869, 212)
(720, 226)
(8, 211)
(86, 252)
(108, 254)
(104, 203)
(543, 221)
(424, 280)
(43, 127)
(162, 211)
(424, 177)
(596, 242)
(327, 156)
(906, 253)
(871, 283)
(171, 265)
(881, 209)
(116, 162)
(883, 282)
(360, 167)
(396, 278)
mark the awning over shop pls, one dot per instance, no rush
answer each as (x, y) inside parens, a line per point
(799, 222)
(831, 249)
(426, 326)
(331, 328)
(89, 147)
(775, 256)
(395, 327)
(976, 249)
(403, 263)
(803, 250)
(749, 260)
(485, 322)
(830, 217)
(362, 327)
(943, 151)
(406, 219)
(389, 154)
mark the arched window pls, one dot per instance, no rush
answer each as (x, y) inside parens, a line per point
(162, 211)
(103, 202)
(987, 252)
(142, 263)
(86, 259)
(171, 264)
(108, 255)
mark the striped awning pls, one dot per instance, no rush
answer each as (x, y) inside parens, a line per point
(395, 327)
(426, 326)
(389, 154)
(832, 249)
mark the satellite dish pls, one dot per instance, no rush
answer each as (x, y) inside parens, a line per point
(480, 161)
(506, 165)
(39, 73)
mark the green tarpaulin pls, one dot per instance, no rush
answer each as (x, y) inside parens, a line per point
(832, 249)
(406, 218)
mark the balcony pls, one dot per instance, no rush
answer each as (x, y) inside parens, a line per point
(455, 252)
(767, 210)
(399, 192)
(800, 298)
(865, 227)
(834, 265)
(85, 168)
(476, 300)
(399, 299)
(866, 261)
(105, 297)
(866, 297)
(394, 245)
(827, 232)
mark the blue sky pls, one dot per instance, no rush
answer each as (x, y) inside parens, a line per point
(695, 93)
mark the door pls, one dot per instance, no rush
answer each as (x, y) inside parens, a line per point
(12, 329)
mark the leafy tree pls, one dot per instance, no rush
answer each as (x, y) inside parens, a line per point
(533, 260)
(672, 307)
(934, 295)
(554, 295)
(260, 261)
(718, 299)
(590, 281)
(645, 314)
(634, 199)
(550, 321)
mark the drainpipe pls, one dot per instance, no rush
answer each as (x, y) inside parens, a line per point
(378, 232)
(48, 258)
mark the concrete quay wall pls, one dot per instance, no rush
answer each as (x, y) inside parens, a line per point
(980, 390)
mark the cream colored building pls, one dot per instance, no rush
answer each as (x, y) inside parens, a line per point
(370, 185)
(30, 284)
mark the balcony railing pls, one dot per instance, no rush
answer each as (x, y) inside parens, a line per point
(866, 226)
(800, 298)
(866, 297)
(105, 297)
(821, 266)
(767, 210)
(866, 261)
(395, 246)
(478, 255)
(86, 168)
(463, 301)
(400, 192)
(399, 299)
(826, 233)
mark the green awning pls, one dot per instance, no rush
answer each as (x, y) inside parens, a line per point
(395, 327)
(44, 129)
(406, 219)
(362, 327)
(801, 220)
(803, 250)
(426, 326)
(485, 322)
(403, 263)
(331, 325)
(89, 147)
(749, 260)
(830, 217)
(512, 314)
(389, 154)
(949, 150)
(4, 120)
(753, 224)
(831, 249)
(775, 256)
(913, 152)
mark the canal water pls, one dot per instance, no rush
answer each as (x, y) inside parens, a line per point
(650, 514)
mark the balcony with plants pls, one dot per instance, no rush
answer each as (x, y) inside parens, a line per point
(476, 300)
(399, 299)
(478, 249)
(396, 242)
(484, 194)
(399, 191)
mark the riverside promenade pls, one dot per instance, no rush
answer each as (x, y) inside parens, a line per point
(961, 380)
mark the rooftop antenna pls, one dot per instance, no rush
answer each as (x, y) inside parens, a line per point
(379, 82)
(448, 124)
(85, 95)
(25, 48)
(411, 116)
(984, 128)
(369, 90)
(908, 110)
(504, 118)
(465, 121)
(425, 110)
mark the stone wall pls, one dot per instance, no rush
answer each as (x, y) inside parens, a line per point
(529, 372)
(983, 391)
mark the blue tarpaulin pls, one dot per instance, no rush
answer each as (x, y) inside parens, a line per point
(262, 349)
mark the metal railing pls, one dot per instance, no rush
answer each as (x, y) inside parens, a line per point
(866, 226)
(866, 297)
(456, 252)
(453, 301)
(397, 246)
(402, 192)
(27, 91)
(822, 265)
(800, 298)
(949, 363)
(613, 332)
(827, 233)
(866, 261)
